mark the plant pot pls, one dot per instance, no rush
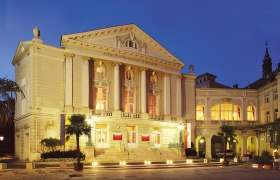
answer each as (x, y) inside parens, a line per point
(267, 166)
(225, 163)
(78, 166)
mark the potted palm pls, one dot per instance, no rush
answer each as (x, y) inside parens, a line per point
(257, 162)
(267, 160)
(228, 134)
(77, 127)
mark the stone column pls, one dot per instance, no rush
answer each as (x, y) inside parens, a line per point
(244, 145)
(69, 81)
(143, 94)
(85, 80)
(278, 91)
(117, 90)
(166, 99)
(179, 97)
(208, 154)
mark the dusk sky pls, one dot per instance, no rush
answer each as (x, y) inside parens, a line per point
(222, 37)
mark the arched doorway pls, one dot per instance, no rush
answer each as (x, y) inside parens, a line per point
(217, 145)
(252, 145)
(200, 146)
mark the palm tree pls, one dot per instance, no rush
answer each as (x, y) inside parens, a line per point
(8, 89)
(228, 134)
(78, 126)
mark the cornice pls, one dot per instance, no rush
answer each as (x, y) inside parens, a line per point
(123, 52)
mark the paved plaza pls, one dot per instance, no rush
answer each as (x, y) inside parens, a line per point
(214, 172)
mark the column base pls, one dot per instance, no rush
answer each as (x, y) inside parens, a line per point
(117, 113)
(144, 116)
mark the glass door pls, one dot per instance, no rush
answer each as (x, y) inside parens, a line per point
(101, 136)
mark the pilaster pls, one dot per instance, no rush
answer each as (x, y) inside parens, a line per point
(85, 82)
(166, 99)
(117, 87)
(69, 81)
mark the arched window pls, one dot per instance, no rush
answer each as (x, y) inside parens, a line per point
(200, 112)
(251, 113)
(225, 111)
(131, 44)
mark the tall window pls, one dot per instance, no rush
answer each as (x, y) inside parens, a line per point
(128, 101)
(266, 98)
(153, 96)
(101, 99)
(275, 95)
(251, 113)
(225, 111)
(275, 114)
(153, 105)
(200, 112)
(267, 117)
(131, 136)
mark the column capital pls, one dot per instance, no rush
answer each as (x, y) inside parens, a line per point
(71, 55)
(117, 64)
(86, 58)
(167, 74)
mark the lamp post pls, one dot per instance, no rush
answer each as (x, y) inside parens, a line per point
(89, 121)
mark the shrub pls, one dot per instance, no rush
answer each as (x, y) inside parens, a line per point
(267, 157)
(50, 144)
(257, 160)
(62, 154)
(190, 152)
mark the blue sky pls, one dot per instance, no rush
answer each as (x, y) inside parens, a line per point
(222, 37)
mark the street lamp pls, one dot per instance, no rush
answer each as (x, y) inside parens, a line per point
(89, 121)
(1, 138)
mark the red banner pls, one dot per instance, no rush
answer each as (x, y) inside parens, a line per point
(117, 136)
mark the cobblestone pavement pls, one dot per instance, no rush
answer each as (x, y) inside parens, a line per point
(197, 173)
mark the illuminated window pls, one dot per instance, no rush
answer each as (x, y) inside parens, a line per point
(251, 113)
(199, 112)
(128, 101)
(101, 99)
(131, 44)
(131, 135)
(225, 111)
(153, 105)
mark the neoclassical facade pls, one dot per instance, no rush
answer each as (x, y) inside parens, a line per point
(134, 95)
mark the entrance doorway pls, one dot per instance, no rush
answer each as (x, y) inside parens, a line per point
(101, 136)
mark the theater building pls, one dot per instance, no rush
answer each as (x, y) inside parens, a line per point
(138, 103)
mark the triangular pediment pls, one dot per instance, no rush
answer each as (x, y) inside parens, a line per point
(127, 38)
(22, 46)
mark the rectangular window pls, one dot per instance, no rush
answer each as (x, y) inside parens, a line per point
(128, 101)
(275, 95)
(275, 114)
(267, 117)
(153, 105)
(266, 98)
(101, 99)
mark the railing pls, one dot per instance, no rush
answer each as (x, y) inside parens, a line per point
(131, 115)
(226, 122)
(178, 146)
(102, 113)
(158, 117)
(151, 145)
(122, 145)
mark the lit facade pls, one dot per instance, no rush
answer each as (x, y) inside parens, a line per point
(132, 90)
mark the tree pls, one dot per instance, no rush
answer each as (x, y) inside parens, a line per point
(275, 134)
(78, 126)
(228, 135)
(8, 89)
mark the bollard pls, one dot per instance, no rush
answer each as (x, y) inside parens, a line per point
(30, 166)
(3, 166)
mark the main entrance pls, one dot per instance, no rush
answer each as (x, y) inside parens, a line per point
(101, 136)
